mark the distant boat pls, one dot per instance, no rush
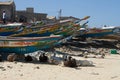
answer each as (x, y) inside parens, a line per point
(24, 45)
(9, 29)
(97, 32)
(108, 27)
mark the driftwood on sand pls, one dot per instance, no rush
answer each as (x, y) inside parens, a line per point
(11, 57)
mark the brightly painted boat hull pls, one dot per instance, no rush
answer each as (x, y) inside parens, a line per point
(27, 45)
(9, 29)
(97, 33)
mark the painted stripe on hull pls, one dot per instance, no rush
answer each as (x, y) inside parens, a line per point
(22, 50)
(27, 45)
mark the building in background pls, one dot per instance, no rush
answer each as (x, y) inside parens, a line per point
(27, 15)
(9, 7)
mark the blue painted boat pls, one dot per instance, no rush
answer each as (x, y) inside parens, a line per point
(23, 45)
(9, 29)
(97, 32)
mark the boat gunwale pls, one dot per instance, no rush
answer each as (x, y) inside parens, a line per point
(27, 38)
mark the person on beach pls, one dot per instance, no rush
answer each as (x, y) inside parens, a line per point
(4, 17)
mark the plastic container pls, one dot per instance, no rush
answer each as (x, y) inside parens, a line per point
(113, 51)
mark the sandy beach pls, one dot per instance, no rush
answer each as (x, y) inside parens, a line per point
(104, 69)
(52, 41)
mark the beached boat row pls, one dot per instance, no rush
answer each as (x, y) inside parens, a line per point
(24, 39)
(34, 38)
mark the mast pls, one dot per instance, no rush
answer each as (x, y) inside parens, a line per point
(60, 13)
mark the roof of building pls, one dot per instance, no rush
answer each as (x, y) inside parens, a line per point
(6, 2)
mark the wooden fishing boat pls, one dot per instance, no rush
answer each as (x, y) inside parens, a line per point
(97, 32)
(70, 30)
(23, 45)
(115, 35)
(64, 27)
(9, 29)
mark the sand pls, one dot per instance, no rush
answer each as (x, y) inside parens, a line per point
(104, 69)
